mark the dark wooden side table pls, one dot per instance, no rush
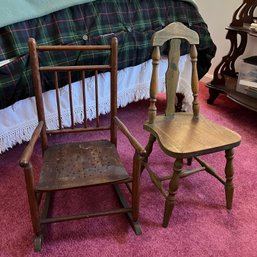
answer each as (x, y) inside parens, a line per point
(225, 75)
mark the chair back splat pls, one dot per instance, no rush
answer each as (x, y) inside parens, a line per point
(73, 164)
(183, 135)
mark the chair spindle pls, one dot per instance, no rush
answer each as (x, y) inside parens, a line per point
(71, 102)
(154, 84)
(84, 97)
(57, 99)
(96, 99)
(172, 76)
(195, 81)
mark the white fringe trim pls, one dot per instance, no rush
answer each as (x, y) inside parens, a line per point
(19, 120)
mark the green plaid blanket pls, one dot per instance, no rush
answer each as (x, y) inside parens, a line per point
(132, 22)
(13, 11)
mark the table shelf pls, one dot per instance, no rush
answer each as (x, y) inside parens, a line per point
(225, 75)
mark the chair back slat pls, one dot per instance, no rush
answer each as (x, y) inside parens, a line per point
(72, 73)
(75, 48)
(172, 36)
(75, 68)
(172, 75)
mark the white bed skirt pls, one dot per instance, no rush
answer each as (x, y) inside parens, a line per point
(19, 120)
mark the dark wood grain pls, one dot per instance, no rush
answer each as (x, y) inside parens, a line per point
(74, 165)
(225, 73)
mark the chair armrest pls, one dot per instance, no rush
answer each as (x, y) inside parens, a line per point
(137, 146)
(26, 155)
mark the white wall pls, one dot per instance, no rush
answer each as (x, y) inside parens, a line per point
(218, 14)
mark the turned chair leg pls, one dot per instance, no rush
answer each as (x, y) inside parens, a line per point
(229, 171)
(173, 186)
(148, 149)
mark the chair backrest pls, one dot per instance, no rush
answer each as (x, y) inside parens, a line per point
(72, 72)
(174, 33)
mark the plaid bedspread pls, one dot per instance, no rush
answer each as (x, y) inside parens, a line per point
(132, 22)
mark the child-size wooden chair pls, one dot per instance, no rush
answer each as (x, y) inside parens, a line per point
(82, 164)
(183, 135)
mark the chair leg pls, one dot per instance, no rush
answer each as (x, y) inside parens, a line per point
(34, 208)
(173, 186)
(38, 243)
(148, 148)
(189, 161)
(134, 213)
(135, 186)
(121, 197)
(229, 171)
(135, 192)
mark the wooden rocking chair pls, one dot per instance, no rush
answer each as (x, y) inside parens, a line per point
(84, 164)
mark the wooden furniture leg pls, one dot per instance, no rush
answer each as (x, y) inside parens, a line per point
(229, 171)
(34, 209)
(213, 94)
(173, 186)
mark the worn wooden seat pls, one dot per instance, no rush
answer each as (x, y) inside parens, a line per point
(72, 165)
(184, 135)
(81, 164)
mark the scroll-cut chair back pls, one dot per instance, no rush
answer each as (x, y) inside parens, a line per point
(184, 135)
(75, 165)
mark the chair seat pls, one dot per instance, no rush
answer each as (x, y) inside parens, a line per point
(74, 165)
(181, 136)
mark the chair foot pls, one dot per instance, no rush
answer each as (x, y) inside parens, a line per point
(229, 198)
(134, 224)
(38, 243)
(169, 205)
(213, 94)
